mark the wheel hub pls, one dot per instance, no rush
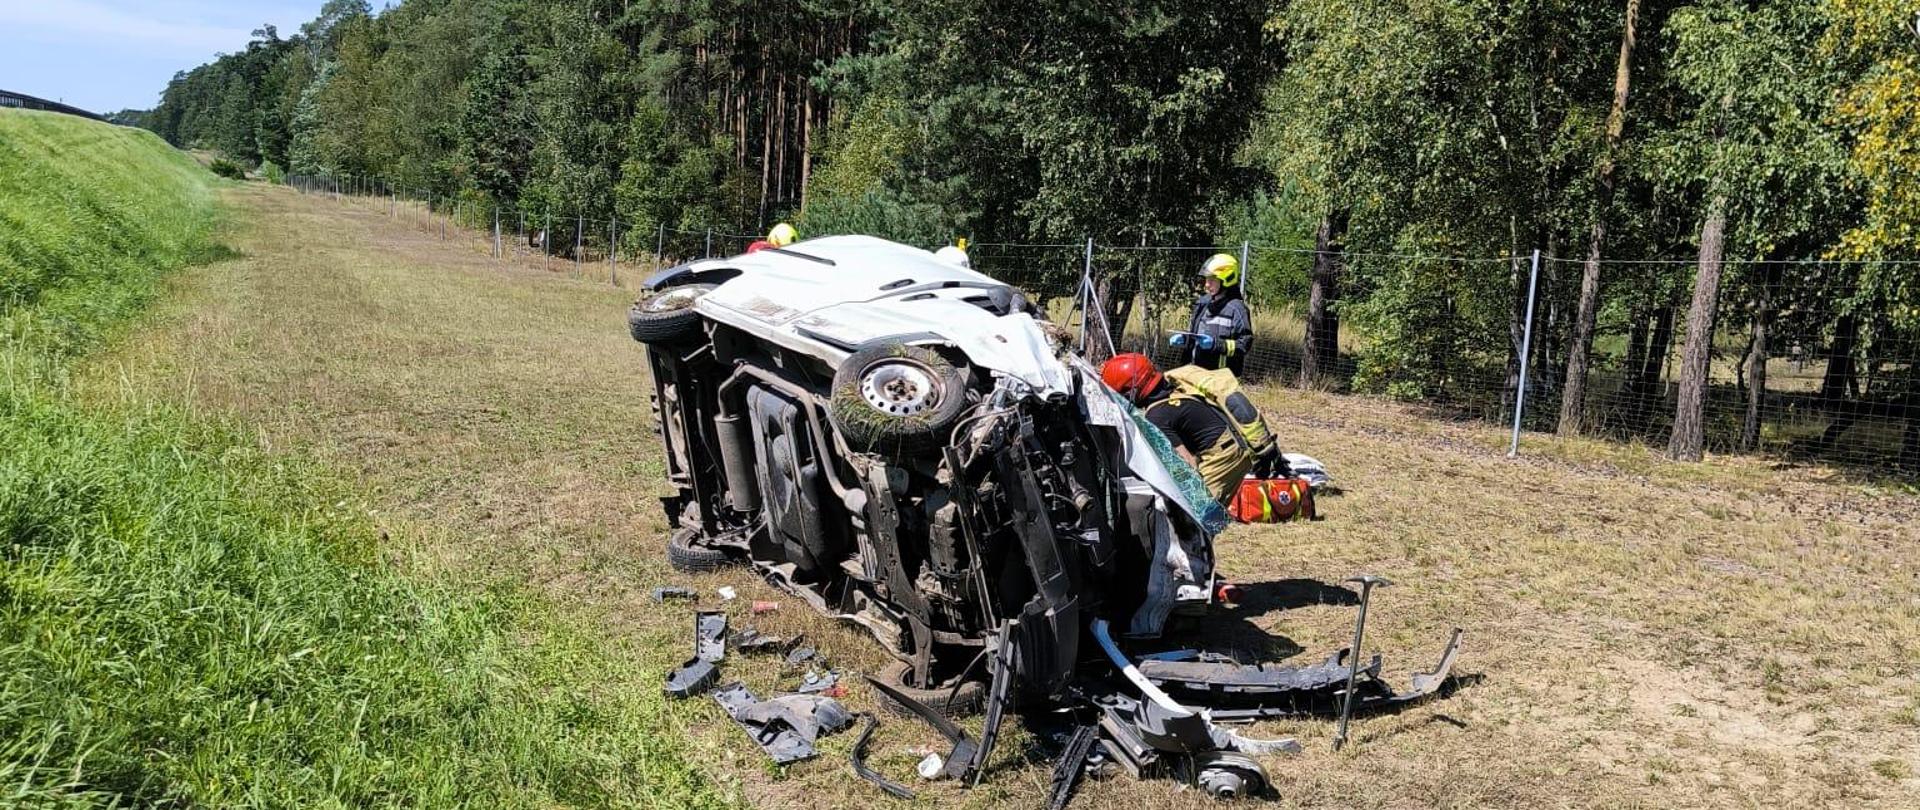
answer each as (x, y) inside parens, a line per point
(898, 388)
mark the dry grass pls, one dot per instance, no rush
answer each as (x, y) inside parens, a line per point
(1647, 634)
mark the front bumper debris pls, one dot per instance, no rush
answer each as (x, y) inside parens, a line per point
(699, 673)
(1235, 692)
(785, 726)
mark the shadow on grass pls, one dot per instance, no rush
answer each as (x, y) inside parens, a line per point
(1259, 598)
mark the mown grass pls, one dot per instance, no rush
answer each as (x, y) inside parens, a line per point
(188, 619)
(1641, 633)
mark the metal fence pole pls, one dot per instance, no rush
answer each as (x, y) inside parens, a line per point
(546, 235)
(1086, 294)
(1246, 273)
(579, 242)
(1526, 351)
(499, 250)
(709, 243)
(613, 251)
(660, 246)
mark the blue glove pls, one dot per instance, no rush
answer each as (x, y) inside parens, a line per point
(1177, 339)
(1207, 343)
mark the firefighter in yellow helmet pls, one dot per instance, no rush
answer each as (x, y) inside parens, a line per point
(1220, 333)
(782, 235)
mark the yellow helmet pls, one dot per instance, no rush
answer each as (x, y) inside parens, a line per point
(1222, 266)
(782, 235)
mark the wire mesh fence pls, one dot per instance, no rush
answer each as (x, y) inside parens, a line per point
(1795, 368)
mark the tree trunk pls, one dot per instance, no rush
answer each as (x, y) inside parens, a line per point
(783, 140)
(1546, 332)
(1572, 399)
(1638, 335)
(806, 142)
(1517, 273)
(1689, 416)
(1756, 362)
(1643, 382)
(1322, 350)
(766, 141)
(1837, 384)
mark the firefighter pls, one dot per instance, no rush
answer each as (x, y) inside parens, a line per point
(781, 236)
(1221, 331)
(1199, 430)
(955, 253)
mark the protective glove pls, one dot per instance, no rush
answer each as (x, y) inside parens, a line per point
(1177, 340)
(1207, 342)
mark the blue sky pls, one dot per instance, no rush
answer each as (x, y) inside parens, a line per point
(106, 55)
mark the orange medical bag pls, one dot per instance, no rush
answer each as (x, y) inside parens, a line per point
(1272, 500)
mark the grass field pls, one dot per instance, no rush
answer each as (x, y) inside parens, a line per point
(190, 617)
(1643, 634)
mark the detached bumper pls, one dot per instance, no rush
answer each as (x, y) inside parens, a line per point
(1239, 692)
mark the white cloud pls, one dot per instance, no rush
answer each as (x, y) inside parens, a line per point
(105, 25)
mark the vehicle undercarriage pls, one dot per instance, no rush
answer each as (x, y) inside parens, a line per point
(992, 522)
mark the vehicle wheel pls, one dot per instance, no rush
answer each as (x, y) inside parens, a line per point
(896, 399)
(666, 316)
(685, 556)
(968, 700)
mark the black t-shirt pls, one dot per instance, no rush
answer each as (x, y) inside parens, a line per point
(1189, 422)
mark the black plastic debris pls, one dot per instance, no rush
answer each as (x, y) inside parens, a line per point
(1237, 693)
(673, 592)
(800, 655)
(815, 682)
(786, 726)
(1071, 766)
(692, 678)
(749, 640)
(859, 758)
(709, 648)
(959, 761)
(1255, 679)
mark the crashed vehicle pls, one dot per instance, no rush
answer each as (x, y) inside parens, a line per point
(907, 444)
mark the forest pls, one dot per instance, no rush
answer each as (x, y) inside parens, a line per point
(1719, 190)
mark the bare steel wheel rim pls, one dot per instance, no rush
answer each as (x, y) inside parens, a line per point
(899, 388)
(673, 300)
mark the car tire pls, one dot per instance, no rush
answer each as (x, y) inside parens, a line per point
(966, 701)
(666, 315)
(896, 399)
(684, 556)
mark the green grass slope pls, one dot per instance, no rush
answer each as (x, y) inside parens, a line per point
(90, 216)
(186, 620)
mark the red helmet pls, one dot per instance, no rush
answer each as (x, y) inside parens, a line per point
(1132, 374)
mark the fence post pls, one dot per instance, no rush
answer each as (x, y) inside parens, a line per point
(546, 235)
(579, 241)
(660, 246)
(1526, 351)
(709, 254)
(1086, 295)
(1246, 272)
(499, 250)
(613, 251)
